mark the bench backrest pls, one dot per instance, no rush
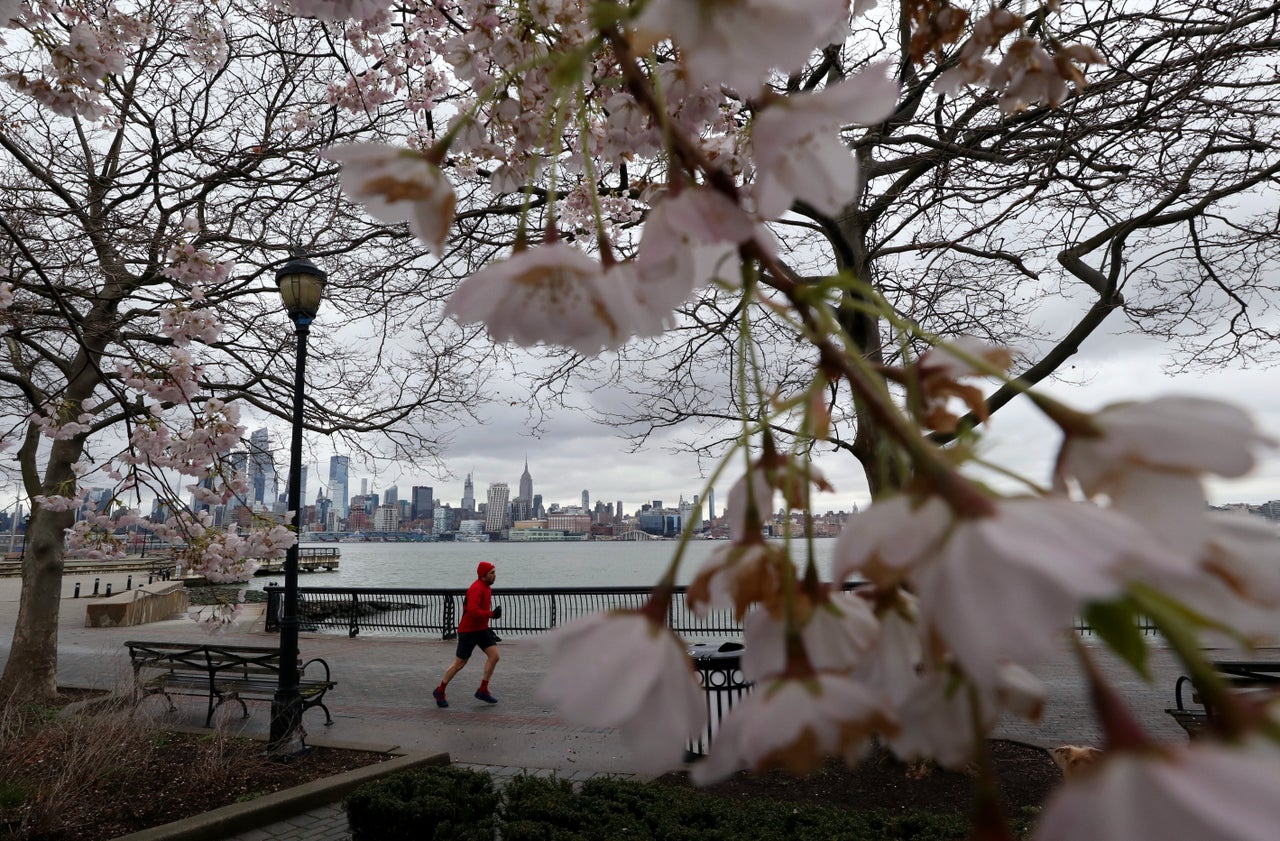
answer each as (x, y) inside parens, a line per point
(233, 661)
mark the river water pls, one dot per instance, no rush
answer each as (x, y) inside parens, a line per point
(553, 564)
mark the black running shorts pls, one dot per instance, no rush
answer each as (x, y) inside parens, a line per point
(468, 641)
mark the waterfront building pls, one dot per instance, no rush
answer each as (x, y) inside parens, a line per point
(339, 491)
(690, 512)
(471, 527)
(497, 507)
(526, 483)
(468, 495)
(569, 520)
(423, 506)
(387, 517)
(445, 519)
(542, 535)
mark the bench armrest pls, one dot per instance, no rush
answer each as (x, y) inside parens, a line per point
(323, 665)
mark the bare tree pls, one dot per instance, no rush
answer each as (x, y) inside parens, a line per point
(224, 132)
(1147, 196)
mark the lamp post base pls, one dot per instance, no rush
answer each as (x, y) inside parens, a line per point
(288, 739)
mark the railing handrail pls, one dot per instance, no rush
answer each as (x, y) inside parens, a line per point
(526, 610)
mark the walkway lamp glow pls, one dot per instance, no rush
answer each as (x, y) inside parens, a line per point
(301, 287)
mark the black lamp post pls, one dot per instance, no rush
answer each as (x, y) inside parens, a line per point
(301, 286)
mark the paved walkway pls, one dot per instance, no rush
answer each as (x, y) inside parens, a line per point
(383, 700)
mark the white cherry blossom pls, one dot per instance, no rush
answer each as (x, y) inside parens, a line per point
(339, 9)
(688, 239)
(738, 575)
(737, 42)
(623, 670)
(1194, 792)
(1002, 587)
(795, 723)
(398, 185)
(939, 721)
(798, 150)
(838, 630)
(553, 294)
(1188, 435)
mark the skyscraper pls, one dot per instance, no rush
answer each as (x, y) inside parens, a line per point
(262, 467)
(391, 495)
(711, 503)
(468, 495)
(586, 501)
(423, 506)
(339, 470)
(497, 507)
(526, 483)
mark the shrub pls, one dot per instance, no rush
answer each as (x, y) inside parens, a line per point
(426, 804)
(605, 809)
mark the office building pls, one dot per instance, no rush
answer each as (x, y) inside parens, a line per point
(498, 506)
(262, 467)
(422, 505)
(586, 501)
(468, 495)
(339, 471)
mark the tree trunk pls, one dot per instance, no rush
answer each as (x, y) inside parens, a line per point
(31, 672)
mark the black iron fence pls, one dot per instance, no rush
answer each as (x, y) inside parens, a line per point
(524, 611)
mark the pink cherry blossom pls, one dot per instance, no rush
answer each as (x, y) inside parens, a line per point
(795, 723)
(623, 670)
(798, 152)
(1194, 792)
(398, 185)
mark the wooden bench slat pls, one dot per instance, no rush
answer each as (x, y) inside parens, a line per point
(221, 673)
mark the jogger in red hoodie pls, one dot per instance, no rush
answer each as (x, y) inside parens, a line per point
(473, 632)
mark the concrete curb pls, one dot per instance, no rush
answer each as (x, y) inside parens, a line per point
(242, 817)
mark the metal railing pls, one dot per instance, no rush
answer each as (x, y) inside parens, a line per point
(524, 611)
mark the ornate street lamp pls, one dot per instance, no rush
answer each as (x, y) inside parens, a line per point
(301, 286)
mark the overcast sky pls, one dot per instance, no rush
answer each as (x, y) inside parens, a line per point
(572, 454)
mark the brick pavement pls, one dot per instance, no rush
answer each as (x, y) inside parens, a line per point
(383, 700)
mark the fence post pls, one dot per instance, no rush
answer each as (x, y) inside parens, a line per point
(273, 606)
(446, 621)
(553, 610)
(354, 627)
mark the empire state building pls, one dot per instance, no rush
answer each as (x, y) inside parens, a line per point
(526, 482)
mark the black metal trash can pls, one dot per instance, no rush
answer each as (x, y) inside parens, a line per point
(719, 667)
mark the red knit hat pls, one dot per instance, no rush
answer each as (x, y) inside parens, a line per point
(483, 569)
